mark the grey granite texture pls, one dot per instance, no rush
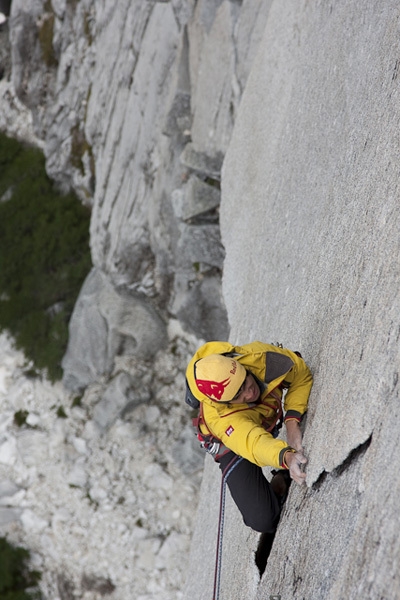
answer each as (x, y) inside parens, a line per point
(313, 261)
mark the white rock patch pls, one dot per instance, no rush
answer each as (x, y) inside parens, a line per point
(102, 513)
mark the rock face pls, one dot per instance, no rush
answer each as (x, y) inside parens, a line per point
(135, 105)
(15, 117)
(314, 149)
(140, 124)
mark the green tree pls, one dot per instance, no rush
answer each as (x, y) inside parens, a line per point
(44, 256)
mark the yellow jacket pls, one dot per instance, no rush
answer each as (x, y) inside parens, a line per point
(243, 428)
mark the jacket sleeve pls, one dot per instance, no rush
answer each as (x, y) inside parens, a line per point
(299, 380)
(248, 439)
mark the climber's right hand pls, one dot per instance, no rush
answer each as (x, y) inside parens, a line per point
(296, 462)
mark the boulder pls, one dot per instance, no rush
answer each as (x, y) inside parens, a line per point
(9, 515)
(197, 199)
(7, 490)
(199, 245)
(105, 324)
(207, 163)
(199, 308)
(120, 396)
(32, 447)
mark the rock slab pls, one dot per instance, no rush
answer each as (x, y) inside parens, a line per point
(313, 153)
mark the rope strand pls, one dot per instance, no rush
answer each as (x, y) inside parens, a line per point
(218, 558)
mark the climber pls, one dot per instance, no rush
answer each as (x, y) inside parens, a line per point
(238, 390)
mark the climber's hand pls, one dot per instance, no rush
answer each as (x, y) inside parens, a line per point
(296, 461)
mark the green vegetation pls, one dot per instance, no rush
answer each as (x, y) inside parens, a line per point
(16, 580)
(44, 256)
(88, 29)
(46, 33)
(61, 414)
(20, 417)
(77, 401)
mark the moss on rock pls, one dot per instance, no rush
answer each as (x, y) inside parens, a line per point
(46, 34)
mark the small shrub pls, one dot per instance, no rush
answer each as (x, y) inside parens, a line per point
(44, 256)
(16, 580)
(61, 414)
(20, 417)
(77, 401)
(31, 373)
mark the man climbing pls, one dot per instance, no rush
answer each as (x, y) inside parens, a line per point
(239, 390)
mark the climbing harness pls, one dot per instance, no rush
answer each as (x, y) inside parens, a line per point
(208, 441)
(218, 558)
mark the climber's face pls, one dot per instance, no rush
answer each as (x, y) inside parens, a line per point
(248, 393)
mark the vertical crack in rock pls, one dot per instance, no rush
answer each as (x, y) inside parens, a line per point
(263, 551)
